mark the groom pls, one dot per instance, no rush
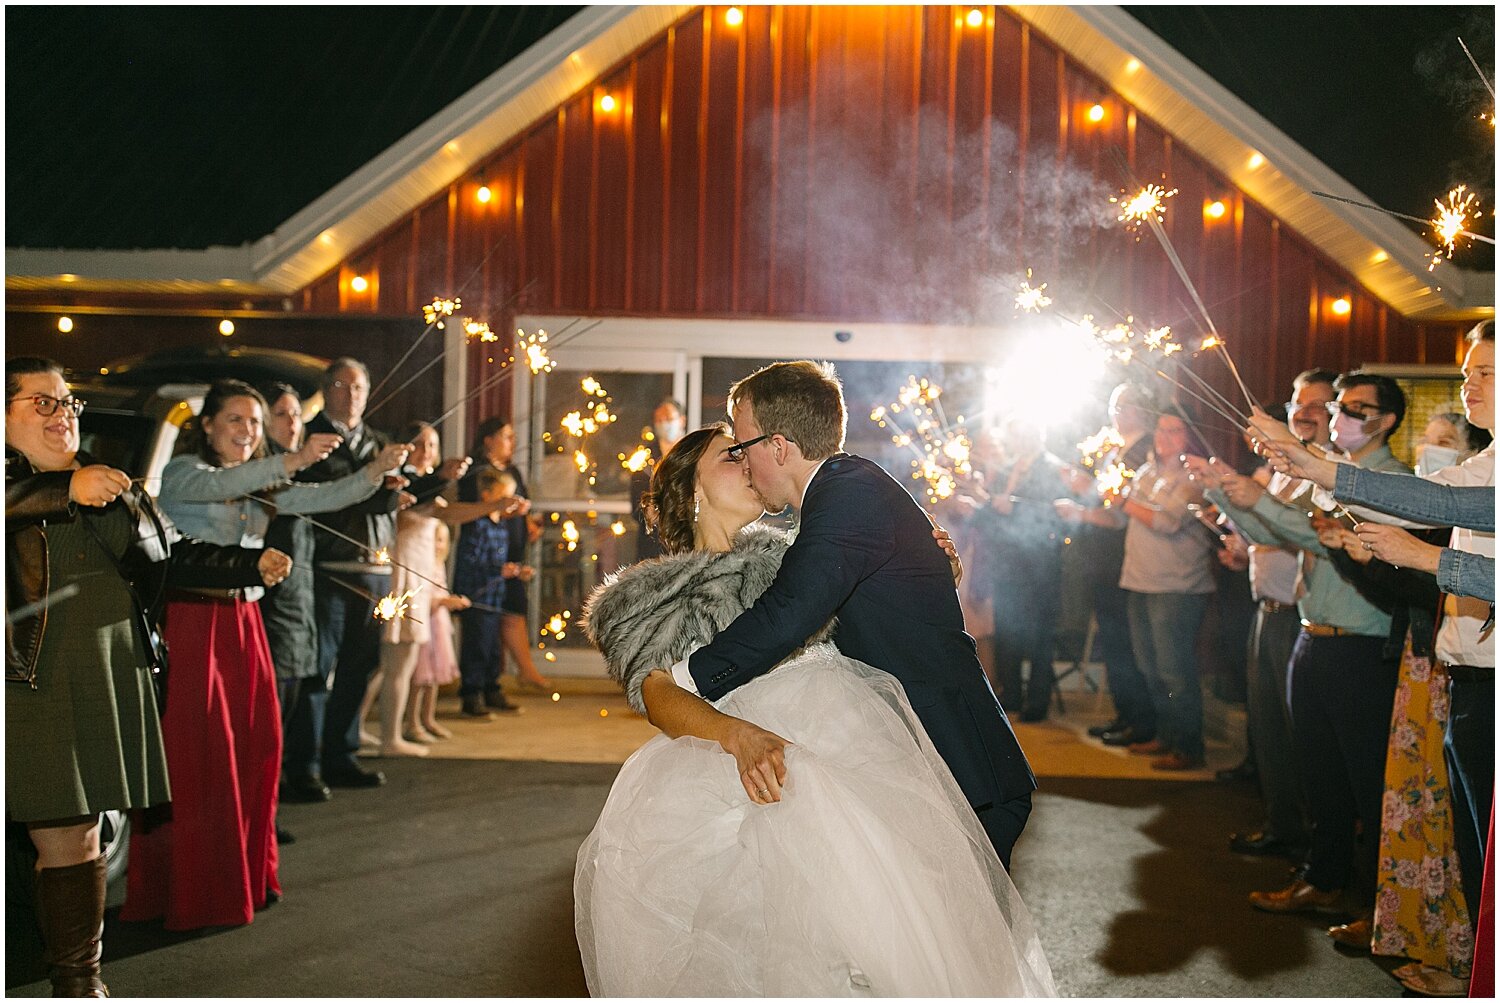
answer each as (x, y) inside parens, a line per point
(862, 552)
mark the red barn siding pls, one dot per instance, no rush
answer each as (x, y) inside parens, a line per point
(872, 163)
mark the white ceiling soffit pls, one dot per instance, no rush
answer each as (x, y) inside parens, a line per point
(212, 270)
(452, 142)
(1381, 253)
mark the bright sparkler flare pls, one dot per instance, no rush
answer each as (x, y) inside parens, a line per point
(570, 534)
(533, 346)
(434, 312)
(1451, 221)
(1099, 445)
(1112, 479)
(591, 387)
(393, 606)
(1159, 339)
(617, 527)
(478, 329)
(572, 423)
(382, 556)
(636, 461)
(1147, 204)
(581, 461)
(1032, 300)
(1211, 342)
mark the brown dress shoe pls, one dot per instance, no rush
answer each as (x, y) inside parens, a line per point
(1176, 761)
(1155, 747)
(1299, 896)
(1356, 934)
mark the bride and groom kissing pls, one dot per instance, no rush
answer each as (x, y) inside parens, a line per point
(840, 825)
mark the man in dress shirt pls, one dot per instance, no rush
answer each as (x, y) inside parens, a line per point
(1273, 583)
(1341, 686)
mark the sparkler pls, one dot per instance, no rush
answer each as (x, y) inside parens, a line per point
(436, 312)
(557, 625)
(1146, 206)
(394, 607)
(478, 330)
(1401, 215)
(1482, 78)
(1032, 300)
(570, 535)
(1099, 445)
(1111, 480)
(942, 459)
(533, 347)
(1449, 222)
(638, 460)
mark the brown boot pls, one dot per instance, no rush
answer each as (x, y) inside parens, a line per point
(70, 910)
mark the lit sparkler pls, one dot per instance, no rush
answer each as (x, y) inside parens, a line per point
(381, 556)
(1146, 205)
(393, 606)
(941, 449)
(638, 460)
(1451, 222)
(478, 330)
(1032, 300)
(617, 527)
(534, 348)
(1100, 445)
(557, 625)
(1111, 479)
(570, 535)
(435, 312)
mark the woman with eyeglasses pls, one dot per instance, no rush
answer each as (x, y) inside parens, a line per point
(215, 862)
(87, 558)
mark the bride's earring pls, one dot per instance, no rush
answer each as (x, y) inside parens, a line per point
(697, 502)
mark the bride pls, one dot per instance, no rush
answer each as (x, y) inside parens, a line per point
(857, 870)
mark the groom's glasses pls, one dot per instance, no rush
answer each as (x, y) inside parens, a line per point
(737, 451)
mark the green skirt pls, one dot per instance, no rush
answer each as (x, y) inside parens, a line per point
(88, 738)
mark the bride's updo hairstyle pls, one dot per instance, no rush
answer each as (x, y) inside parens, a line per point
(668, 506)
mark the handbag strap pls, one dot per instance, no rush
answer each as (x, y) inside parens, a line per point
(141, 609)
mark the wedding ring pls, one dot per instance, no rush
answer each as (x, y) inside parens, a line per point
(764, 792)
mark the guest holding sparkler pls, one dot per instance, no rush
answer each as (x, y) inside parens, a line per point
(87, 558)
(483, 574)
(495, 446)
(1102, 546)
(1273, 583)
(353, 565)
(1342, 686)
(1464, 652)
(1025, 537)
(215, 862)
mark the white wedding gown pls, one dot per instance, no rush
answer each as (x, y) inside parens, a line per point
(871, 877)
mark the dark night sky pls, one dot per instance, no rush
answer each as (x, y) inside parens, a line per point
(186, 127)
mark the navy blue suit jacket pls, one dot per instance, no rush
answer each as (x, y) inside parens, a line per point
(864, 553)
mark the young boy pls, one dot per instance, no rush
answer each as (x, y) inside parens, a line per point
(480, 574)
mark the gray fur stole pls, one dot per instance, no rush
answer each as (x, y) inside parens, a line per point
(650, 615)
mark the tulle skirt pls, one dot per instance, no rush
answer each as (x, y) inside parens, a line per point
(871, 877)
(436, 663)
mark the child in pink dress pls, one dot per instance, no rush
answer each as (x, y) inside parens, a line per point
(436, 663)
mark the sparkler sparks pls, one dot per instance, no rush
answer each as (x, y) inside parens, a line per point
(434, 313)
(557, 625)
(1145, 205)
(534, 348)
(638, 460)
(1099, 445)
(942, 458)
(570, 535)
(381, 556)
(478, 330)
(617, 527)
(1111, 479)
(1032, 300)
(1451, 222)
(393, 606)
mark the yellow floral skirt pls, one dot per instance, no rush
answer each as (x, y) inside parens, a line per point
(1419, 901)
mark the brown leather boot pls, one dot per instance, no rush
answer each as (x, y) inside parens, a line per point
(70, 910)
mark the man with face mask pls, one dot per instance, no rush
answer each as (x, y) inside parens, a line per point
(667, 426)
(1341, 686)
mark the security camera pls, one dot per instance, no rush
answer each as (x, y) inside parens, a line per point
(843, 336)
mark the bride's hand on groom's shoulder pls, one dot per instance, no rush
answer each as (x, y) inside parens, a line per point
(760, 757)
(945, 542)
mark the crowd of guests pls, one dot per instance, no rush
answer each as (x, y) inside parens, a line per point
(198, 657)
(1368, 649)
(1365, 632)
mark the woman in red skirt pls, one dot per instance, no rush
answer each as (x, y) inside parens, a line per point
(214, 863)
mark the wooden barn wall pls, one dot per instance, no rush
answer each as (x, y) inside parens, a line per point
(873, 163)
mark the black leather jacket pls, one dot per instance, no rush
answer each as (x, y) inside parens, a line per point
(159, 556)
